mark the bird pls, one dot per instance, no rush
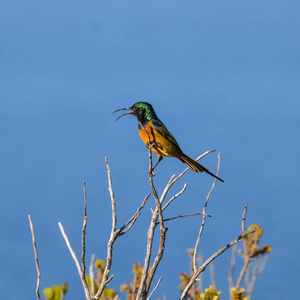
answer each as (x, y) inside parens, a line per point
(162, 142)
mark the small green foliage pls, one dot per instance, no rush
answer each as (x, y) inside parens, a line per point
(211, 294)
(238, 294)
(108, 294)
(251, 241)
(55, 292)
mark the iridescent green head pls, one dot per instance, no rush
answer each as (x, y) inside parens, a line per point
(143, 111)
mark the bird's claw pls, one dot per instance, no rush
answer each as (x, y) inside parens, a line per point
(151, 173)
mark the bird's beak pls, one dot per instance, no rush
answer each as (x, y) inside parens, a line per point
(128, 113)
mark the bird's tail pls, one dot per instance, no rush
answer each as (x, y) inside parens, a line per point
(195, 166)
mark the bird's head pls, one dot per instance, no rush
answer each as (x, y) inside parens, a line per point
(143, 111)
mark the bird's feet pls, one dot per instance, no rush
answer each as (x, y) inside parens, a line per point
(151, 173)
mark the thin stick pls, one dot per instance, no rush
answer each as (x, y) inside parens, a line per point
(133, 219)
(159, 280)
(198, 158)
(113, 236)
(200, 279)
(83, 231)
(244, 217)
(248, 259)
(208, 261)
(183, 216)
(243, 271)
(36, 259)
(212, 275)
(174, 197)
(231, 270)
(258, 267)
(81, 274)
(91, 272)
(204, 214)
(173, 179)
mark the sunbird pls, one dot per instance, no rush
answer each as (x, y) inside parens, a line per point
(162, 141)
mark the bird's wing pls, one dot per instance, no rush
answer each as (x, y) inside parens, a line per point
(165, 133)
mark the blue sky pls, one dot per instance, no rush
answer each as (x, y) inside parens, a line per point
(221, 75)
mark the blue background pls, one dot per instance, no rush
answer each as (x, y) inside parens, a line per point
(221, 75)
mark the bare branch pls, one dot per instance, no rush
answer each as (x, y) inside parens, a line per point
(174, 197)
(81, 274)
(159, 280)
(112, 197)
(147, 278)
(36, 259)
(212, 275)
(113, 236)
(173, 179)
(208, 261)
(242, 273)
(83, 231)
(258, 267)
(154, 192)
(91, 272)
(244, 218)
(166, 189)
(204, 214)
(133, 219)
(198, 158)
(231, 270)
(183, 216)
(200, 279)
(150, 235)
(247, 258)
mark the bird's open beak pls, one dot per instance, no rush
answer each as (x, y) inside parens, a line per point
(128, 113)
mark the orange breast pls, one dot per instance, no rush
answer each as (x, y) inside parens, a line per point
(164, 146)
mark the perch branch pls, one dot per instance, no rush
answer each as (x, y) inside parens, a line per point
(146, 278)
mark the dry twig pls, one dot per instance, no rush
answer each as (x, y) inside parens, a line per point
(81, 274)
(36, 258)
(208, 261)
(83, 231)
(113, 236)
(247, 258)
(204, 214)
(91, 272)
(244, 218)
(231, 270)
(159, 280)
(183, 216)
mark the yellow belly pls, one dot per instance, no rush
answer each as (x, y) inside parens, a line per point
(164, 146)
